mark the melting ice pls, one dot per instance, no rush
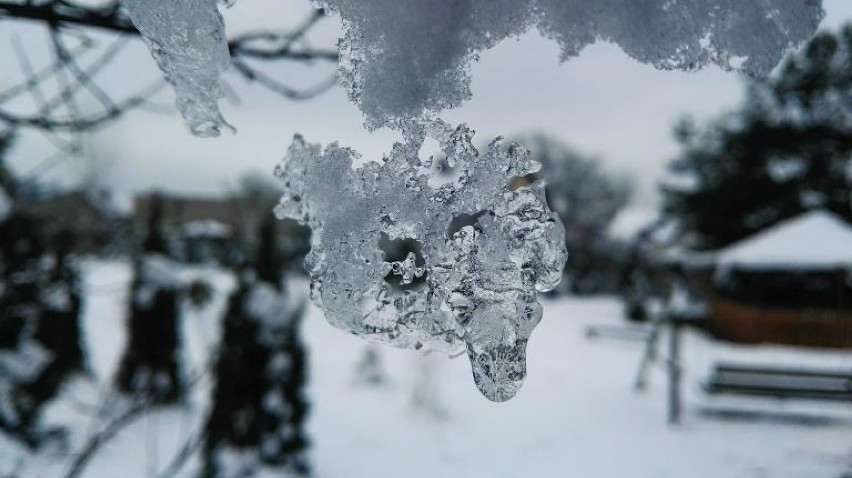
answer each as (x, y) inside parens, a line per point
(483, 252)
(187, 39)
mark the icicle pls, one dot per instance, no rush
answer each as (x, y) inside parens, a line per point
(187, 39)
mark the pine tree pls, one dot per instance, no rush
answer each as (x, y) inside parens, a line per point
(259, 403)
(787, 150)
(150, 365)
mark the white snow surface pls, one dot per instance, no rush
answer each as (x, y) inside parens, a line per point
(814, 240)
(274, 309)
(207, 228)
(187, 39)
(576, 416)
(401, 58)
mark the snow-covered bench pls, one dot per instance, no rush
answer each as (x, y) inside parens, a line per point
(780, 382)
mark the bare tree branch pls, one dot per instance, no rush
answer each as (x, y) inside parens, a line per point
(135, 411)
(86, 122)
(109, 17)
(56, 14)
(60, 111)
(190, 446)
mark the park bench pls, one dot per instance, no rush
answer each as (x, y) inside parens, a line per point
(780, 382)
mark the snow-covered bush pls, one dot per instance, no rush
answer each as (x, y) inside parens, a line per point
(150, 363)
(39, 318)
(259, 404)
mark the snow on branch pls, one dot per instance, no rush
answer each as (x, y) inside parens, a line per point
(399, 58)
(191, 60)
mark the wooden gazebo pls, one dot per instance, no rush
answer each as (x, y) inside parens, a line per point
(790, 284)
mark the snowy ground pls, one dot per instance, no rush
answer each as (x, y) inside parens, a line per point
(576, 415)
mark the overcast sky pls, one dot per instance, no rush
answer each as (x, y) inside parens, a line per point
(603, 103)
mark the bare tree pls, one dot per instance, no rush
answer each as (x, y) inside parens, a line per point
(80, 56)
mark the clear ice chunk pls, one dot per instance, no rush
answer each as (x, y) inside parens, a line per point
(401, 58)
(187, 40)
(483, 251)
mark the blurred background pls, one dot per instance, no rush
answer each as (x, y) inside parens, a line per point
(155, 318)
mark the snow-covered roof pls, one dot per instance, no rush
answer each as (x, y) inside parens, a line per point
(814, 240)
(628, 222)
(206, 228)
(122, 204)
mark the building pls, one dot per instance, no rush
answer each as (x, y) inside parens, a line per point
(90, 219)
(217, 229)
(789, 284)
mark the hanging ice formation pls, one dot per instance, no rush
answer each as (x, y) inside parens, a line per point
(187, 39)
(481, 250)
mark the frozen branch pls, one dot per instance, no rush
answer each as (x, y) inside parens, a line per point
(56, 87)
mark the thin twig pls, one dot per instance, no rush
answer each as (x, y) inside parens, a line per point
(98, 440)
(61, 113)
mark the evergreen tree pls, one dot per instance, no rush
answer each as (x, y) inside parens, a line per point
(59, 328)
(785, 151)
(21, 358)
(259, 403)
(150, 365)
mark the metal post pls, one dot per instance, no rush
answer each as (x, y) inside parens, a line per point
(649, 356)
(674, 374)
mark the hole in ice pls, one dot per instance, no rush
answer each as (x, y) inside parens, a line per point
(463, 220)
(519, 182)
(442, 173)
(405, 262)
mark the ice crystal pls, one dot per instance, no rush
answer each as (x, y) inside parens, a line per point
(402, 57)
(479, 252)
(187, 39)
